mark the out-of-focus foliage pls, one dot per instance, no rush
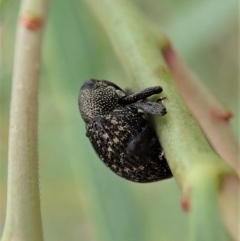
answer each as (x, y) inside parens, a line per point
(80, 198)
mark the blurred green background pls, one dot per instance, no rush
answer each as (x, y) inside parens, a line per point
(80, 198)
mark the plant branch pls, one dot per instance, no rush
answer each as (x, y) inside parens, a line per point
(137, 43)
(23, 217)
(211, 114)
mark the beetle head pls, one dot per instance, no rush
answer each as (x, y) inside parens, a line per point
(98, 97)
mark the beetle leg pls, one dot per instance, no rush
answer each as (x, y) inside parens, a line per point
(161, 99)
(153, 108)
(142, 142)
(129, 99)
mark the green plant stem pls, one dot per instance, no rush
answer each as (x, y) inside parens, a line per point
(138, 46)
(23, 217)
(204, 195)
(213, 116)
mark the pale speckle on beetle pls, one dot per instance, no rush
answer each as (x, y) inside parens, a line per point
(118, 130)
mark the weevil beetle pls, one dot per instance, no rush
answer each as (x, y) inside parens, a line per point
(119, 131)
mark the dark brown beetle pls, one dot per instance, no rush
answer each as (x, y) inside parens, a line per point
(119, 131)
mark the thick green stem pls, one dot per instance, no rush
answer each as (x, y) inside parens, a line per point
(23, 217)
(204, 215)
(213, 116)
(138, 46)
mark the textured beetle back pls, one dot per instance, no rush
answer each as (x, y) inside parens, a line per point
(110, 137)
